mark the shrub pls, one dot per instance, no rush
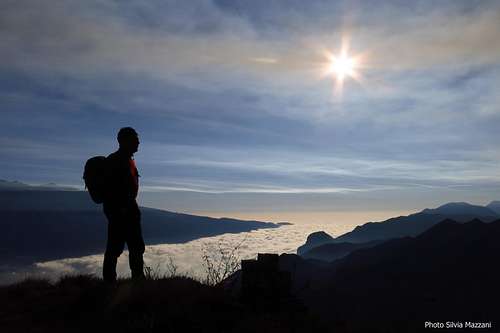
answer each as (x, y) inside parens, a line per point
(220, 261)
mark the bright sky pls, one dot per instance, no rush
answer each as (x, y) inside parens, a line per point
(234, 109)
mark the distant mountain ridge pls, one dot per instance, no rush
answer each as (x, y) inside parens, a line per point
(15, 185)
(404, 226)
(417, 223)
(48, 225)
(54, 200)
(461, 208)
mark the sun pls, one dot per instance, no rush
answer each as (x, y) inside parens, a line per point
(342, 66)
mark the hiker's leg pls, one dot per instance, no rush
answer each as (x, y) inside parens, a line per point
(135, 244)
(109, 268)
(114, 246)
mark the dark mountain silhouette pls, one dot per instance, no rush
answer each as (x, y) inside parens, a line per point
(494, 206)
(415, 224)
(449, 271)
(47, 200)
(315, 239)
(461, 208)
(334, 251)
(46, 225)
(411, 225)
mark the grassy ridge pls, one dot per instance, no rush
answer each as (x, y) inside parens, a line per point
(175, 304)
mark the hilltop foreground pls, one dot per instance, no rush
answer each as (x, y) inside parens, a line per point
(175, 304)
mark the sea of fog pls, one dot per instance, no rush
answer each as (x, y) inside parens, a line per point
(188, 258)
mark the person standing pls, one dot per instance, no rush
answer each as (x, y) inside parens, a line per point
(121, 208)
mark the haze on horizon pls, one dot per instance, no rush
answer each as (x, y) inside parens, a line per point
(234, 112)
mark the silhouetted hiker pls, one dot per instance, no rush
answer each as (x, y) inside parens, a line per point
(121, 209)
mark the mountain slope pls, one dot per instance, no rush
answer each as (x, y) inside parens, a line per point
(414, 224)
(402, 226)
(461, 208)
(46, 225)
(449, 271)
(494, 206)
(333, 251)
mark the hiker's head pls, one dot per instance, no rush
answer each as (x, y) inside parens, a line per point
(128, 139)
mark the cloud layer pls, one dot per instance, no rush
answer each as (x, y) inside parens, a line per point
(187, 257)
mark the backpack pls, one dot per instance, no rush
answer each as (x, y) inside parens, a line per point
(95, 177)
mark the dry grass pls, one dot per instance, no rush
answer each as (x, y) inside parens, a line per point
(168, 304)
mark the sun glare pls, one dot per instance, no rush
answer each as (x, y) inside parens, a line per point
(342, 66)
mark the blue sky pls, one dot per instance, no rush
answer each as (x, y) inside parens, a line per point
(229, 100)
